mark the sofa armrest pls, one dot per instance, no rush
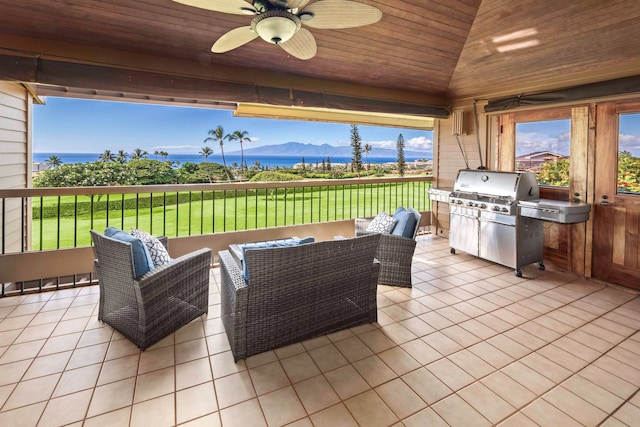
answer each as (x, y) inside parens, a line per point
(232, 271)
(234, 292)
(164, 240)
(361, 225)
(396, 247)
(177, 267)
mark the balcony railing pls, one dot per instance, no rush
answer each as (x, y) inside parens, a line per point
(36, 220)
(62, 217)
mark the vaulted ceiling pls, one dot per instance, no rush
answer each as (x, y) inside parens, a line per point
(426, 52)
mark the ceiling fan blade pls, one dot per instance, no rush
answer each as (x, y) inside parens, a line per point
(302, 45)
(334, 14)
(289, 4)
(233, 39)
(235, 7)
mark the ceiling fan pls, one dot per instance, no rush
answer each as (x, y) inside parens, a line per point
(280, 21)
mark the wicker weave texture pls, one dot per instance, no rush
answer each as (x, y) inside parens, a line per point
(395, 254)
(299, 292)
(149, 308)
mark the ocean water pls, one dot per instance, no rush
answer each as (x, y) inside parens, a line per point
(270, 161)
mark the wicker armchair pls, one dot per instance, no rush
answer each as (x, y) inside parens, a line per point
(394, 253)
(150, 307)
(297, 292)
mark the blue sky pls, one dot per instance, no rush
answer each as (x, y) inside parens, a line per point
(66, 125)
(630, 133)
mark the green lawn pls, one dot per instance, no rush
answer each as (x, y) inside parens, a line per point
(202, 213)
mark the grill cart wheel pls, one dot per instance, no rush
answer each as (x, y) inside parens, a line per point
(453, 251)
(541, 266)
(518, 273)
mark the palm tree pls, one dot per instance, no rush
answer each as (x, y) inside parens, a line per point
(138, 154)
(156, 153)
(107, 156)
(164, 155)
(206, 152)
(218, 136)
(122, 156)
(367, 150)
(53, 161)
(242, 136)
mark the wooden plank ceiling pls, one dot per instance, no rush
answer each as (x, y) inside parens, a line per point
(422, 51)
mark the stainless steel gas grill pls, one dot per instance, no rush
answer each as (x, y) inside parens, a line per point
(485, 220)
(499, 216)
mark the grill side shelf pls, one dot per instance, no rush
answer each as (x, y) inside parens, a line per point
(555, 211)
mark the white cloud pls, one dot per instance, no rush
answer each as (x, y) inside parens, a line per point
(530, 142)
(629, 143)
(565, 137)
(381, 144)
(419, 143)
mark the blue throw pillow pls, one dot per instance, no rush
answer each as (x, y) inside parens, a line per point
(142, 262)
(406, 223)
(294, 241)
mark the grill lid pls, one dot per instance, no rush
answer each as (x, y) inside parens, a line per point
(510, 185)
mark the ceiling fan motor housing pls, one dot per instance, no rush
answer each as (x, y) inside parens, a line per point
(276, 26)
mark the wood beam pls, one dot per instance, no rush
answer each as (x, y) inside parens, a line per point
(128, 84)
(49, 50)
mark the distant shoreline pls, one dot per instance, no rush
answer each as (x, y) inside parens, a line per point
(270, 161)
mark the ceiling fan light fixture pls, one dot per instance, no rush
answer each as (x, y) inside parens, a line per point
(276, 26)
(306, 16)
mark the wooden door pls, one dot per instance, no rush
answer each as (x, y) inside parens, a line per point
(616, 217)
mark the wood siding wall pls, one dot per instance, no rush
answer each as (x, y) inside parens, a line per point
(15, 155)
(448, 158)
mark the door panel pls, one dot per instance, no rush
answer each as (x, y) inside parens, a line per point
(616, 218)
(465, 233)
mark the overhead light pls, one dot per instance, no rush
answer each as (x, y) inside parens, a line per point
(306, 16)
(276, 26)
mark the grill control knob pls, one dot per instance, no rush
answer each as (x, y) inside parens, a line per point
(505, 210)
(495, 208)
(469, 204)
(459, 202)
(483, 206)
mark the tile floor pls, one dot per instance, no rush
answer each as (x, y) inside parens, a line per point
(469, 345)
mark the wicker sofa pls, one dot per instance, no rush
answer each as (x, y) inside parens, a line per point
(299, 292)
(150, 307)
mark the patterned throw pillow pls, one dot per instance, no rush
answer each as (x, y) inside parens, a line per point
(158, 252)
(382, 223)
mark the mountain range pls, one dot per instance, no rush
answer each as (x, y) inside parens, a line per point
(312, 150)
